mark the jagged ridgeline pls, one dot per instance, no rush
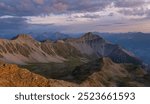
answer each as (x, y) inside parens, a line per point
(86, 61)
(23, 49)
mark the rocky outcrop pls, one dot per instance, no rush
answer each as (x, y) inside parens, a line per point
(11, 75)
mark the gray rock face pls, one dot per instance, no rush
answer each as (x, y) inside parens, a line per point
(92, 44)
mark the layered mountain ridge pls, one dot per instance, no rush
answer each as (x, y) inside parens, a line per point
(23, 49)
(88, 61)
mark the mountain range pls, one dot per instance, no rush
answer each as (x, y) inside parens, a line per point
(85, 61)
(23, 49)
(136, 42)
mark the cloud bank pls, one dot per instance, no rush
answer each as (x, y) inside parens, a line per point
(76, 15)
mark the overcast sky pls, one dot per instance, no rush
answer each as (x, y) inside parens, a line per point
(75, 15)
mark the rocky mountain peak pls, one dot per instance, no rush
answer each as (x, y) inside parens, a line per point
(23, 37)
(90, 36)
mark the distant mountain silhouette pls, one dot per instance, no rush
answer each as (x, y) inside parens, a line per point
(136, 42)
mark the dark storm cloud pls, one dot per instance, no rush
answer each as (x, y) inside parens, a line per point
(45, 7)
(129, 3)
(38, 7)
(13, 23)
(18, 8)
(89, 5)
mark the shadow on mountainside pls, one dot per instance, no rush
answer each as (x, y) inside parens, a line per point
(101, 72)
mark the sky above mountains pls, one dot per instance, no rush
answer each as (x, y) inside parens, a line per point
(74, 15)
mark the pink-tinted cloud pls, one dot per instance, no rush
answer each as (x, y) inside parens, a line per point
(59, 7)
(40, 2)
